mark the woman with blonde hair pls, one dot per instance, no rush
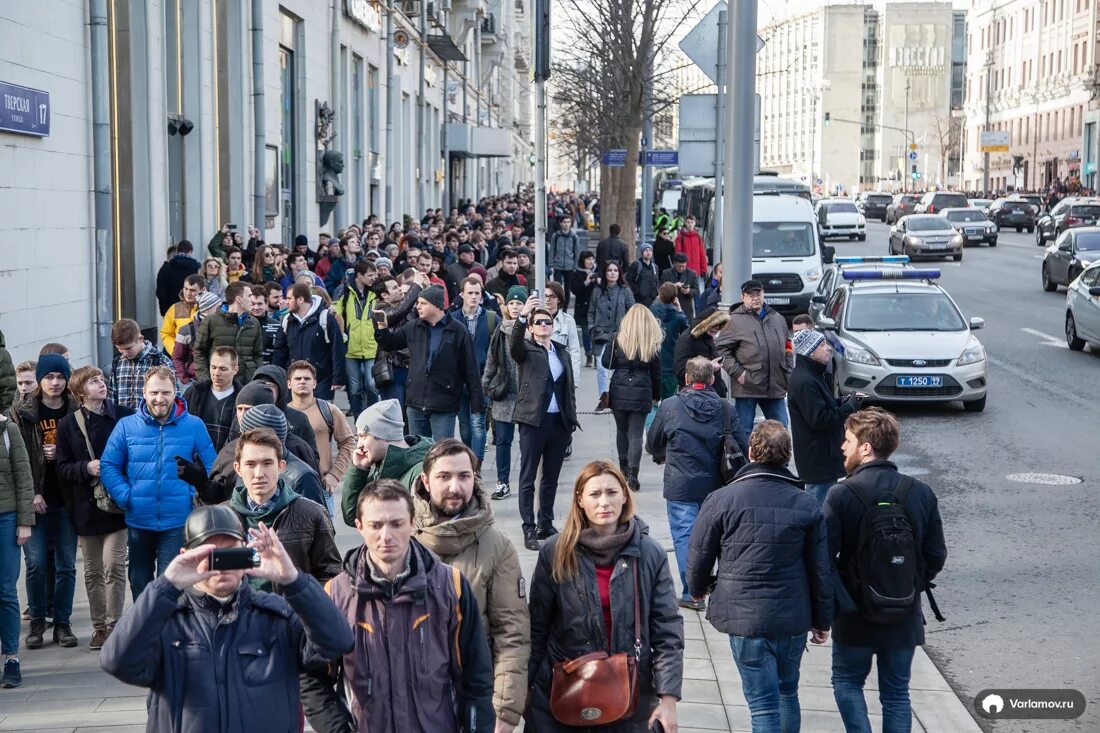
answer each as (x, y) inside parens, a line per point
(635, 358)
(604, 553)
(213, 272)
(699, 341)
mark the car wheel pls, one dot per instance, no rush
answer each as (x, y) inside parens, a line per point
(993, 243)
(1020, 229)
(1072, 341)
(975, 405)
(1048, 285)
(958, 256)
(862, 237)
(1030, 230)
(1039, 237)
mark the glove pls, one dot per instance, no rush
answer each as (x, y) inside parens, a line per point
(193, 472)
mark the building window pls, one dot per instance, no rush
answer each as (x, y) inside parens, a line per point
(288, 115)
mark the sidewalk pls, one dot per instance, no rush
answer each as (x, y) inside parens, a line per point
(64, 689)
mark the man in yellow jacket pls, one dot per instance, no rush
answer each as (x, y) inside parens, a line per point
(180, 314)
(355, 307)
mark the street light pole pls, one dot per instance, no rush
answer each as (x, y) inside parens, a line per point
(985, 128)
(905, 156)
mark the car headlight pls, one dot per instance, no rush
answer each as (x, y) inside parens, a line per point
(973, 353)
(813, 275)
(913, 241)
(862, 220)
(860, 356)
(957, 239)
(991, 227)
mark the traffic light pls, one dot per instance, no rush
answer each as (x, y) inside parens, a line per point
(915, 173)
(828, 119)
(531, 158)
(542, 40)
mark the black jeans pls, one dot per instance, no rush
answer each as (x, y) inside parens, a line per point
(545, 444)
(628, 436)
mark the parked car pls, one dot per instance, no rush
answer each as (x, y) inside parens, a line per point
(1068, 213)
(1069, 256)
(926, 235)
(982, 204)
(1013, 213)
(872, 204)
(973, 225)
(902, 205)
(840, 218)
(1083, 310)
(934, 202)
(1035, 200)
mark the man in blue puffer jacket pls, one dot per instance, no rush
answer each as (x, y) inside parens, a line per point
(151, 466)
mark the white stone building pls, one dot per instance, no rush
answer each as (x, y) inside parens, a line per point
(176, 66)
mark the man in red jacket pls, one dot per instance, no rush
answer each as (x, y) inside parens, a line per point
(690, 242)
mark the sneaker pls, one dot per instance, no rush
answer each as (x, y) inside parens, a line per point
(63, 635)
(27, 614)
(503, 491)
(34, 638)
(545, 533)
(99, 638)
(569, 450)
(603, 406)
(530, 540)
(693, 605)
(13, 677)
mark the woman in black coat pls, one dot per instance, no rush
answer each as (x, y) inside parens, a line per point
(663, 249)
(699, 341)
(103, 535)
(635, 384)
(581, 282)
(583, 597)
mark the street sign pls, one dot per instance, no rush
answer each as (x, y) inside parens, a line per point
(24, 111)
(994, 142)
(701, 43)
(662, 157)
(614, 158)
(912, 146)
(913, 155)
(697, 134)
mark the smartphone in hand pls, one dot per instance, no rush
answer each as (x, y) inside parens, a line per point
(234, 558)
(380, 319)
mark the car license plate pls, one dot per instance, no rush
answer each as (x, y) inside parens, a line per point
(777, 301)
(936, 245)
(919, 381)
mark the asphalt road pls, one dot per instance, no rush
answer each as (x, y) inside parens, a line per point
(1021, 589)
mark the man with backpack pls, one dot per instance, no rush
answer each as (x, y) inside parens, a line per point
(886, 536)
(356, 307)
(328, 423)
(310, 332)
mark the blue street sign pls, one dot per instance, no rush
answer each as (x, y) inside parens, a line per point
(24, 111)
(614, 158)
(662, 157)
(913, 155)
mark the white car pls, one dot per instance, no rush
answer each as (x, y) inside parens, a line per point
(982, 204)
(1083, 309)
(904, 340)
(840, 218)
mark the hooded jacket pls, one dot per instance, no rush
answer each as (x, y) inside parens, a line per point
(644, 279)
(686, 435)
(170, 279)
(688, 347)
(25, 415)
(242, 332)
(817, 422)
(758, 347)
(299, 473)
(297, 421)
(16, 480)
(500, 360)
(488, 560)
(138, 466)
(691, 244)
(435, 384)
(232, 669)
(72, 466)
(403, 464)
(673, 323)
(305, 338)
(9, 387)
(567, 621)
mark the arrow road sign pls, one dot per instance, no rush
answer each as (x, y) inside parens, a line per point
(913, 155)
(701, 43)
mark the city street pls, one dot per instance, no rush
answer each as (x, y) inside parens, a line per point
(1021, 582)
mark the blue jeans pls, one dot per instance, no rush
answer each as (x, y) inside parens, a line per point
(851, 665)
(681, 520)
(150, 553)
(819, 491)
(769, 679)
(53, 525)
(773, 409)
(603, 374)
(504, 434)
(362, 392)
(434, 425)
(9, 576)
(396, 390)
(471, 427)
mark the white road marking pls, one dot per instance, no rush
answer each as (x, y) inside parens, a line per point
(1040, 384)
(1048, 340)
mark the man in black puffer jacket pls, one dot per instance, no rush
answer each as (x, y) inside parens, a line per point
(773, 582)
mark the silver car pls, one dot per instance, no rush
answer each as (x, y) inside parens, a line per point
(1083, 310)
(904, 340)
(926, 235)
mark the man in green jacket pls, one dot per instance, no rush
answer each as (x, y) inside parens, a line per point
(355, 307)
(382, 451)
(234, 327)
(7, 377)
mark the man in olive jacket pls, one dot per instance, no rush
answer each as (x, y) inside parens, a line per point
(754, 346)
(453, 520)
(235, 327)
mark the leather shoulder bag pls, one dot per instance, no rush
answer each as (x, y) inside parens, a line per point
(599, 688)
(103, 500)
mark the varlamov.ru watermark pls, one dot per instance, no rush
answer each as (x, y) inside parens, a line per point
(1049, 704)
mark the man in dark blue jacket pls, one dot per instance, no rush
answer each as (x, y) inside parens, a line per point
(310, 332)
(244, 677)
(687, 436)
(773, 582)
(481, 323)
(870, 437)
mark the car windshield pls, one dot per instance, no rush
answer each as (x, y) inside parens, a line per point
(843, 207)
(926, 223)
(786, 239)
(908, 200)
(878, 200)
(1088, 242)
(1089, 212)
(930, 311)
(965, 216)
(1018, 206)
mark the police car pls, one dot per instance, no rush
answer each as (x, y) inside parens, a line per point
(904, 339)
(831, 279)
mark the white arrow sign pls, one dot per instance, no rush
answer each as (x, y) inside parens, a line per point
(701, 43)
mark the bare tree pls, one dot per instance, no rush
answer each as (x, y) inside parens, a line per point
(946, 130)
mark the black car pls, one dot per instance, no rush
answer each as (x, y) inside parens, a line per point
(1068, 213)
(1013, 213)
(1035, 200)
(934, 202)
(873, 205)
(973, 225)
(1067, 258)
(902, 206)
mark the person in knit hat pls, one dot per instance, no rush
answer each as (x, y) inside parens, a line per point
(382, 450)
(297, 474)
(183, 357)
(817, 417)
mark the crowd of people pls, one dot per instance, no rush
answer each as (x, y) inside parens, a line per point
(203, 474)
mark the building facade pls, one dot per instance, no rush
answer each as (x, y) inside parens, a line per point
(426, 104)
(848, 90)
(1032, 75)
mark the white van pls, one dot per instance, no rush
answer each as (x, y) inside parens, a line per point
(787, 254)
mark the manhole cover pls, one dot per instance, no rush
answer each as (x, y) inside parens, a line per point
(1047, 479)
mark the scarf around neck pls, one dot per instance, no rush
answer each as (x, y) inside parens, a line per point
(605, 548)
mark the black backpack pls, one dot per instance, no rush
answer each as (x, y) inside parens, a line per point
(886, 573)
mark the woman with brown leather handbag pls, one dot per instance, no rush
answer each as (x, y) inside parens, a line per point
(607, 639)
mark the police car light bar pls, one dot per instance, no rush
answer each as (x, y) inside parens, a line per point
(857, 260)
(891, 274)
